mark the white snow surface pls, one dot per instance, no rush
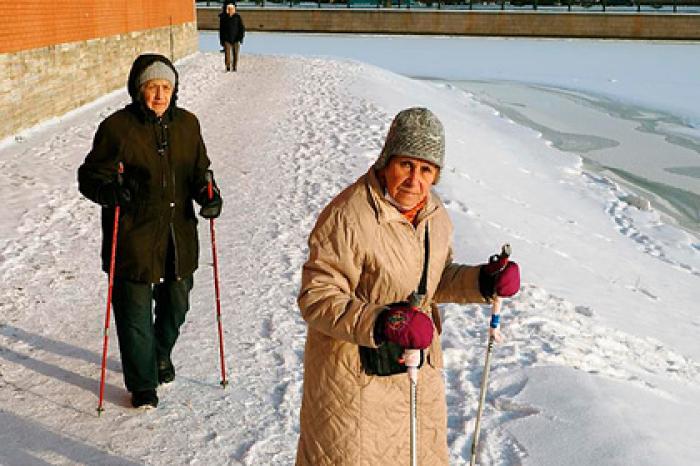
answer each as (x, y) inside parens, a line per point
(600, 363)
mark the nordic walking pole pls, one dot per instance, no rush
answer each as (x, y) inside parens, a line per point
(484, 381)
(411, 359)
(210, 194)
(493, 337)
(113, 256)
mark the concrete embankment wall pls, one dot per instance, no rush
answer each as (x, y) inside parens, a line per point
(468, 23)
(56, 56)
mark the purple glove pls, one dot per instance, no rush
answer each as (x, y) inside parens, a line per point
(406, 326)
(499, 277)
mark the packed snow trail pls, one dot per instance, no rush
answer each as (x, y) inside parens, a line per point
(277, 164)
(285, 135)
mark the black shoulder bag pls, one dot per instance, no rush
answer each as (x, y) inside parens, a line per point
(386, 359)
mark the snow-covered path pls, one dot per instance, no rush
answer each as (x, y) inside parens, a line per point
(53, 293)
(265, 144)
(285, 135)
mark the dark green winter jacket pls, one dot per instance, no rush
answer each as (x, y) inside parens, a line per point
(165, 160)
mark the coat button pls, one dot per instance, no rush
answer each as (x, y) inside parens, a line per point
(172, 204)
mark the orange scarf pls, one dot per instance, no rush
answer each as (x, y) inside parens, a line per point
(411, 215)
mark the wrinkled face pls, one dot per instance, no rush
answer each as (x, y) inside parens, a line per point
(230, 9)
(157, 94)
(408, 180)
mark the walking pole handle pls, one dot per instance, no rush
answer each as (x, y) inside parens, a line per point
(494, 331)
(411, 359)
(209, 177)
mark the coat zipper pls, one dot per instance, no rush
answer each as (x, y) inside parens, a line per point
(162, 146)
(176, 259)
(168, 156)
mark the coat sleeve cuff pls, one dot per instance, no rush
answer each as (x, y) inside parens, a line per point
(364, 333)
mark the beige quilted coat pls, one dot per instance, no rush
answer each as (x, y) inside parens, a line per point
(363, 255)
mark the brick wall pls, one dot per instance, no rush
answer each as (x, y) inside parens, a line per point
(57, 57)
(28, 24)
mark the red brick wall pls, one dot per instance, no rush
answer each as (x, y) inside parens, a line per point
(28, 24)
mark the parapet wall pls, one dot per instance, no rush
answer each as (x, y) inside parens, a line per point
(57, 56)
(471, 23)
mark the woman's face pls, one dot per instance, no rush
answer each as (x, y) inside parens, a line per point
(408, 180)
(157, 94)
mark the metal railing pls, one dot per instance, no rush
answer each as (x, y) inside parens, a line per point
(612, 6)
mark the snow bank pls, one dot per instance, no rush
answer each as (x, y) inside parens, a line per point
(600, 363)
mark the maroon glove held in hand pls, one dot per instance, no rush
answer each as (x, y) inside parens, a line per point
(501, 277)
(508, 281)
(407, 327)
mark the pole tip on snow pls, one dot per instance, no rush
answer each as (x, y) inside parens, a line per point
(224, 383)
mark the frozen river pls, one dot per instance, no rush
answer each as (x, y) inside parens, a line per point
(628, 108)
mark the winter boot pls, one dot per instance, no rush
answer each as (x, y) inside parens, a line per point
(166, 371)
(144, 399)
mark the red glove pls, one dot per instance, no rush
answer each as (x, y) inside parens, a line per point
(406, 326)
(499, 277)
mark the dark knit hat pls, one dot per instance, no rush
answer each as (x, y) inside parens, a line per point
(415, 132)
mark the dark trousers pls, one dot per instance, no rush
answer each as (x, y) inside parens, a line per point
(143, 341)
(231, 54)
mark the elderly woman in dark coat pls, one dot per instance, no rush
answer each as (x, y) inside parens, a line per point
(161, 150)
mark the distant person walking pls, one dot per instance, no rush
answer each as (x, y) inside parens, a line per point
(231, 34)
(164, 163)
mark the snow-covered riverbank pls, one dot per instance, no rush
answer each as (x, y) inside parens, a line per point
(600, 365)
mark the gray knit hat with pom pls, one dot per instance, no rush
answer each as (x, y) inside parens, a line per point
(415, 132)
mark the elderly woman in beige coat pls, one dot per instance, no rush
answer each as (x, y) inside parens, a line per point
(384, 239)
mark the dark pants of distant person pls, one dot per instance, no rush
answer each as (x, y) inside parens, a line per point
(143, 342)
(231, 54)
